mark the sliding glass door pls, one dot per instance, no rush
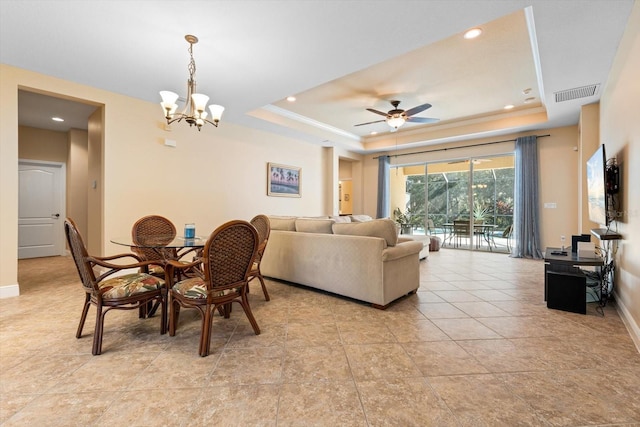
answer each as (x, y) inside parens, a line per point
(467, 203)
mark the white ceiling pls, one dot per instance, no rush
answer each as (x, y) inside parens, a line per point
(337, 57)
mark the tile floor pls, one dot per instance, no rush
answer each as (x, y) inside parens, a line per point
(475, 346)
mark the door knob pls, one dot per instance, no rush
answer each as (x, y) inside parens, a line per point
(57, 215)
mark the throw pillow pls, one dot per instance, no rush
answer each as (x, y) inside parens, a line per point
(309, 225)
(360, 218)
(384, 228)
(341, 218)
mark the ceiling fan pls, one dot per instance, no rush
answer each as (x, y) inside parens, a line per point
(396, 117)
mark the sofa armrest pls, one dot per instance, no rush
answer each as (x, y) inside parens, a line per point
(401, 250)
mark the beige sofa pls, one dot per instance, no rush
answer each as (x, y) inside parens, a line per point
(363, 261)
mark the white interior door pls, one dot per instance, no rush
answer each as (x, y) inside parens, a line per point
(40, 209)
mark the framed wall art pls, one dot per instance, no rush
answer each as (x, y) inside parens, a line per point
(283, 180)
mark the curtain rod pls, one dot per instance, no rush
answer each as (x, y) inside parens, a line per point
(454, 148)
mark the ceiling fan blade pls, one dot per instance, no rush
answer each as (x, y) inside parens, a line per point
(416, 110)
(377, 112)
(368, 123)
(422, 120)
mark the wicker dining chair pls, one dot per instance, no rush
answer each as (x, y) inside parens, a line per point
(124, 292)
(263, 226)
(153, 226)
(226, 262)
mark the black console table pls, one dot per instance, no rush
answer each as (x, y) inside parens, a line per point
(565, 285)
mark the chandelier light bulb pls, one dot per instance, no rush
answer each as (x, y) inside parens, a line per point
(216, 112)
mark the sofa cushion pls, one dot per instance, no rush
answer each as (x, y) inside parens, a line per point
(284, 223)
(360, 218)
(384, 228)
(312, 225)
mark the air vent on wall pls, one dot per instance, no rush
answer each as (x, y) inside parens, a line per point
(575, 93)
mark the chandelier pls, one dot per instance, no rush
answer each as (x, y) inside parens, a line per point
(194, 111)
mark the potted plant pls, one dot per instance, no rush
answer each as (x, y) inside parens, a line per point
(480, 213)
(404, 220)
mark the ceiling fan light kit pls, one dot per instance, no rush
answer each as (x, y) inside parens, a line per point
(397, 117)
(194, 111)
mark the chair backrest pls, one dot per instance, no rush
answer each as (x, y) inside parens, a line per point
(80, 255)
(229, 254)
(153, 225)
(430, 225)
(461, 226)
(263, 227)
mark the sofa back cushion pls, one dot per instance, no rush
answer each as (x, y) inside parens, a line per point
(384, 228)
(284, 223)
(314, 225)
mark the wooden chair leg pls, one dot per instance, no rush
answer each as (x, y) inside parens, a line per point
(174, 314)
(83, 316)
(244, 302)
(97, 335)
(205, 334)
(163, 314)
(264, 288)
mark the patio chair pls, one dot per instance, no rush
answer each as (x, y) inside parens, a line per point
(460, 231)
(508, 234)
(263, 227)
(228, 256)
(125, 292)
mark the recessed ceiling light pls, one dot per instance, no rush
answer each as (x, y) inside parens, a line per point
(374, 133)
(472, 33)
(57, 119)
(291, 98)
(529, 100)
(509, 106)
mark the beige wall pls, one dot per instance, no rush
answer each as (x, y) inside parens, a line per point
(77, 179)
(620, 132)
(210, 177)
(558, 169)
(589, 142)
(41, 144)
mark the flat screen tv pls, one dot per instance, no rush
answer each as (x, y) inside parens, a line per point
(596, 185)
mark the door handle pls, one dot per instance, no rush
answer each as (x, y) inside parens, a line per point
(56, 215)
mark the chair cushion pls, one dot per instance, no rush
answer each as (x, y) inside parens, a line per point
(196, 288)
(130, 284)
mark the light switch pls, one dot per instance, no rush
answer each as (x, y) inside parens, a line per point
(170, 142)
(550, 205)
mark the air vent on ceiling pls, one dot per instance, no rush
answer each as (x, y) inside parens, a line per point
(575, 93)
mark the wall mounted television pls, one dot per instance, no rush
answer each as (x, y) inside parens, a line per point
(596, 187)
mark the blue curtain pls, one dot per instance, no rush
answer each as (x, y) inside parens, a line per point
(384, 163)
(526, 216)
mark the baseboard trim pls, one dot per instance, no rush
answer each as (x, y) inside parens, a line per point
(9, 291)
(629, 322)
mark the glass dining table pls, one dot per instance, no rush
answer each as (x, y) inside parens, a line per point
(166, 246)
